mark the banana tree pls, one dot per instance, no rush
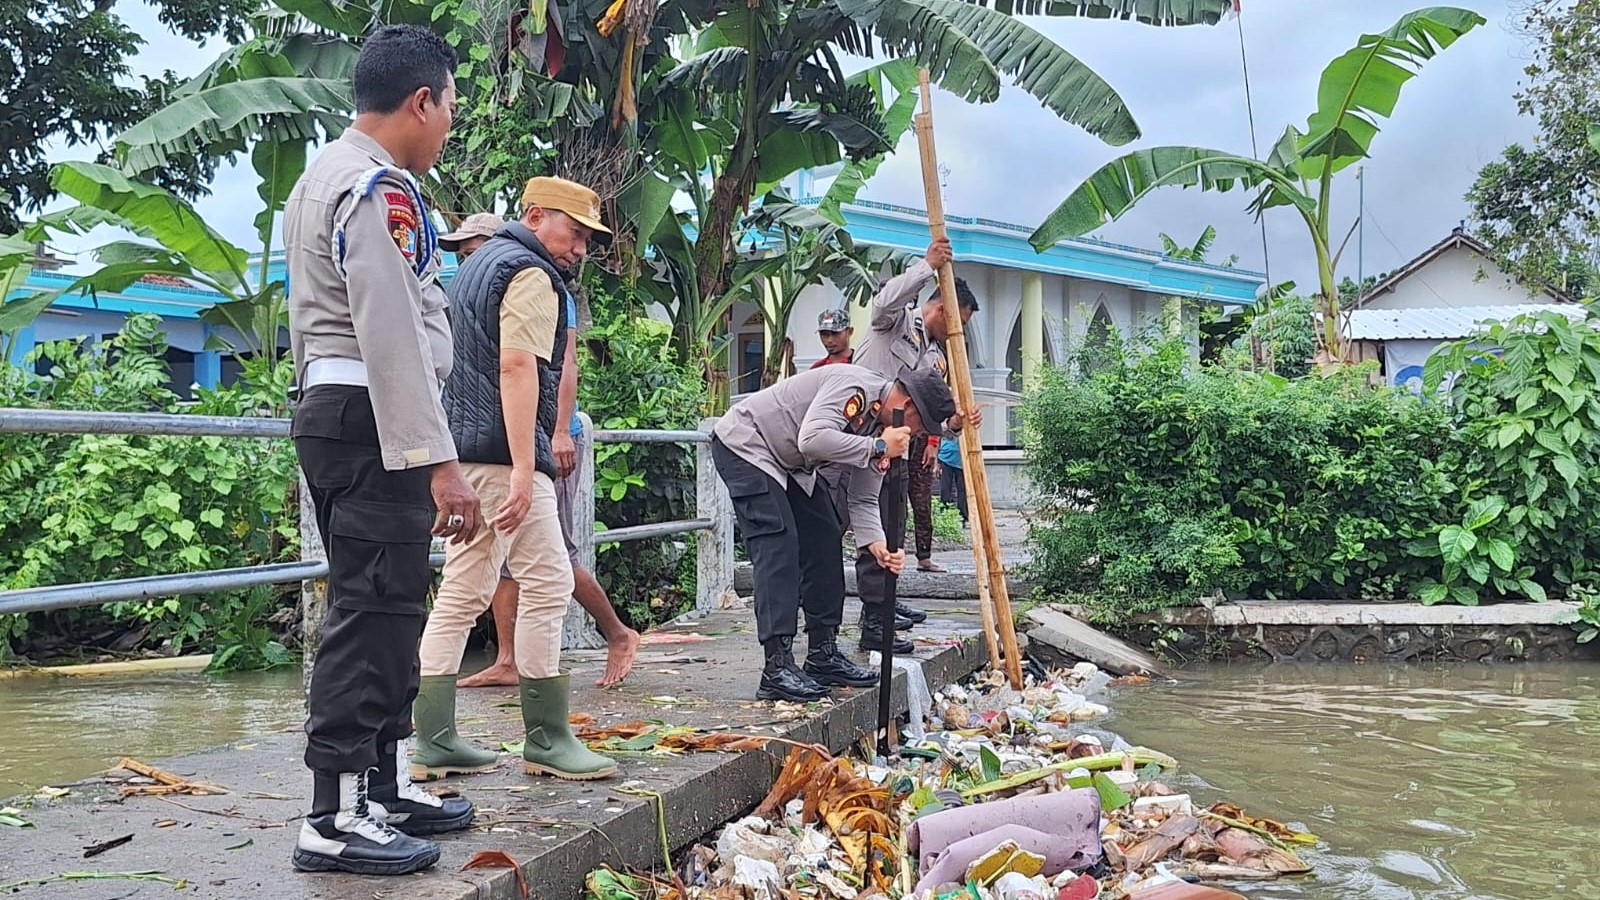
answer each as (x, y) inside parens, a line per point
(803, 249)
(1357, 89)
(184, 247)
(756, 58)
(764, 93)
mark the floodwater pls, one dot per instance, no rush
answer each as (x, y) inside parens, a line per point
(1424, 783)
(58, 730)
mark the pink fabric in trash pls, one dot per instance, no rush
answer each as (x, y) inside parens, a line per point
(1070, 818)
(951, 865)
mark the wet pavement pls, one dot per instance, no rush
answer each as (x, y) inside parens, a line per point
(701, 673)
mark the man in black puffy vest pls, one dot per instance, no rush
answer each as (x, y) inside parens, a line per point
(509, 319)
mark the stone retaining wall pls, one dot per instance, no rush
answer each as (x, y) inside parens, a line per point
(1366, 632)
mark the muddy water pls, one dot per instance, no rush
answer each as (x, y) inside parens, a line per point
(1424, 783)
(55, 730)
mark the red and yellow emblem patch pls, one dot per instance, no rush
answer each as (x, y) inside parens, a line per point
(402, 223)
(854, 406)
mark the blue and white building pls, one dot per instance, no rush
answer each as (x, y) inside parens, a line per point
(1034, 306)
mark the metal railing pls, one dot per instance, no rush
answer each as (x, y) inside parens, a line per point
(713, 522)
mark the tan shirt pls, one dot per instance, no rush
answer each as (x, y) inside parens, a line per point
(528, 314)
(378, 312)
(818, 417)
(898, 339)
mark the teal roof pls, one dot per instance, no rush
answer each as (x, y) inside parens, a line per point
(1005, 244)
(140, 297)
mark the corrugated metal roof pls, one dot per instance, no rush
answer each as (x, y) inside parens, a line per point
(1441, 323)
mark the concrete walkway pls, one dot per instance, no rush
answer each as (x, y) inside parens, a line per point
(238, 844)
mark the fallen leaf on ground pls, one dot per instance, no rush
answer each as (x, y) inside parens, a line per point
(498, 859)
(12, 816)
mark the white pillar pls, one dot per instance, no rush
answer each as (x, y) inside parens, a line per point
(577, 628)
(1032, 327)
(714, 547)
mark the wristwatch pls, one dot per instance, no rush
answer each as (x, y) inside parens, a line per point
(879, 449)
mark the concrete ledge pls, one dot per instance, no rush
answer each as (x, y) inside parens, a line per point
(1364, 631)
(1357, 612)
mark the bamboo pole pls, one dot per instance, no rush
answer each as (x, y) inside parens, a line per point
(980, 558)
(996, 608)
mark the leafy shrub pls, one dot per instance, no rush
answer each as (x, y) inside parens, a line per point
(1286, 336)
(1528, 445)
(1163, 481)
(97, 507)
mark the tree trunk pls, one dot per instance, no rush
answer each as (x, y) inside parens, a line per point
(780, 363)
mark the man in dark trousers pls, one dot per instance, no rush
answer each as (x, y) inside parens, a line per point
(906, 334)
(767, 451)
(372, 348)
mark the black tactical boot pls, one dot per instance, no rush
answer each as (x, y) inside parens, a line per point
(872, 635)
(781, 679)
(828, 666)
(911, 613)
(341, 834)
(397, 802)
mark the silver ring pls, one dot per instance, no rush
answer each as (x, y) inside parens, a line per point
(455, 521)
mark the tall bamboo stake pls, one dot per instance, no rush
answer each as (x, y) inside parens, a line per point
(986, 544)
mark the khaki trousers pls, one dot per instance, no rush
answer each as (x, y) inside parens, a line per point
(537, 560)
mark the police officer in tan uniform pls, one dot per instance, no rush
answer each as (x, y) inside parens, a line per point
(371, 348)
(904, 335)
(767, 451)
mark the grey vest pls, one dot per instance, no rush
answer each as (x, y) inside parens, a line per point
(472, 392)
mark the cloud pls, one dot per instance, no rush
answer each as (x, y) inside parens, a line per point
(1014, 161)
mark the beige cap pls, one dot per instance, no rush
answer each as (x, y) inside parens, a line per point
(569, 197)
(476, 225)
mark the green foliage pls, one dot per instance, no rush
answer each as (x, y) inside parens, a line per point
(1528, 442)
(65, 80)
(947, 523)
(1356, 90)
(630, 380)
(97, 507)
(1537, 205)
(1283, 339)
(1164, 482)
(1586, 618)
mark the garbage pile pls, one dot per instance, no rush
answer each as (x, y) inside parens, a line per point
(1009, 795)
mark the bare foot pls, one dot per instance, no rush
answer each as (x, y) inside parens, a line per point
(619, 658)
(498, 675)
(928, 565)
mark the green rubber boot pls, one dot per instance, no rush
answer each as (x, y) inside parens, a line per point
(549, 746)
(439, 751)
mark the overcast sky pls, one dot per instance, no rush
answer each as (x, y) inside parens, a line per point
(1013, 160)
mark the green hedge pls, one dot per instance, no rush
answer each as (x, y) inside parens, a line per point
(97, 507)
(1162, 481)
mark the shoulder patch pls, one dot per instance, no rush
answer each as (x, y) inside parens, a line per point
(855, 405)
(402, 218)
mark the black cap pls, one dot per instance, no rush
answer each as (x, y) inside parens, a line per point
(930, 395)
